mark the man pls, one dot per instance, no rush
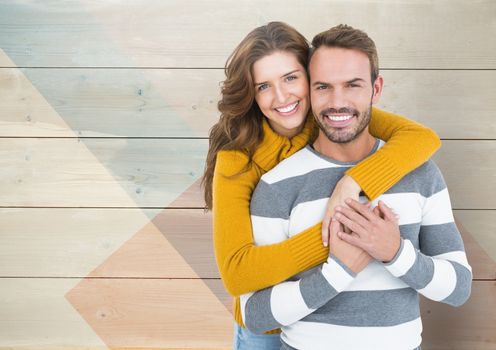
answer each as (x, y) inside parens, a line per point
(366, 295)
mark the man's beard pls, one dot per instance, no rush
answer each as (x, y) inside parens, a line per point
(347, 134)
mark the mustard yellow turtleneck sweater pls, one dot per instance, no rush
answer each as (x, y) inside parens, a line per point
(245, 267)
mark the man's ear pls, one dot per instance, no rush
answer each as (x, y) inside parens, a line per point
(377, 89)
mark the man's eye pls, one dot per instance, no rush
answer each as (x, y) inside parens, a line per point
(321, 87)
(353, 85)
(291, 77)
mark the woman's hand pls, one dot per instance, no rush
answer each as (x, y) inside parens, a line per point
(375, 231)
(345, 188)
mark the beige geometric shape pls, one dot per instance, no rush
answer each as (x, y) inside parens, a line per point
(158, 313)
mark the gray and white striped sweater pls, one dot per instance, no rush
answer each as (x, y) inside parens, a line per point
(330, 307)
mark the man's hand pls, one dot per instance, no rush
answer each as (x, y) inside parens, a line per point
(355, 258)
(345, 188)
(376, 232)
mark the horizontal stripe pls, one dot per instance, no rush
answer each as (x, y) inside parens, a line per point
(243, 299)
(411, 232)
(369, 308)
(269, 230)
(459, 256)
(318, 184)
(287, 303)
(315, 289)
(337, 276)
(312, 211)
(375, 277)
(404, 260)
(258, 316)
(443, 282)
(272, 201)
(321, 336)
(301, 163)
(464, 285)
(437, 209)
(407, 205)
(426, 180)
(440, 239)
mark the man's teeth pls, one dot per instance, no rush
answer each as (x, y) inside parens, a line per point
(288, 108)
(339, 118)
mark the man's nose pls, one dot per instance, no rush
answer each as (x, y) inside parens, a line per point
(337, 99)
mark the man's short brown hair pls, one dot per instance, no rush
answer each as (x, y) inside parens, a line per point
(347, 37)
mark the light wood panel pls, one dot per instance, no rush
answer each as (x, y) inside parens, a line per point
(163, 313)
(94, 172)
(50, 313)
(471, 326)
(469, 168)
(482, 226)
(42, 172)
(183, 103)
(177, 243)
(420, 34)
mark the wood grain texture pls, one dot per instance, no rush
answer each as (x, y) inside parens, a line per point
(469, 170)
(203, 33)
(471, 326)
(176, 243)
(160, 313)
(154, 172)
(98, 172)
(183, 103)
(117, 313)
(482, 226)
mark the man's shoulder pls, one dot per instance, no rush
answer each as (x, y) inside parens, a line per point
(427, 179)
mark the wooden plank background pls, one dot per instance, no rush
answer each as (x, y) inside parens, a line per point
(105, 110)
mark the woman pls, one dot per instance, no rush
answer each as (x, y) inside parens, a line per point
(264, 119)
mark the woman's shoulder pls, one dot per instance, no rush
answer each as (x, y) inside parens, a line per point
(230, 162)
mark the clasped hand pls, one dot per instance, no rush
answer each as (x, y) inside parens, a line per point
(374, 231)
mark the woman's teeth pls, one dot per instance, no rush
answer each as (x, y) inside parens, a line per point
(287, 108)
(339, 118)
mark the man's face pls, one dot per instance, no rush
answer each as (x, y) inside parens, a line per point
(342, 92)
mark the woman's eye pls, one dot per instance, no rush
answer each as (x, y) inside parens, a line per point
(291, 77)
(262, 87)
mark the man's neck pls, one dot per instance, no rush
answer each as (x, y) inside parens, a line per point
(352, 151)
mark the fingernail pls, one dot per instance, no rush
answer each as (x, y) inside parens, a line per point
(348, 200)
(338, 208)
(337, 215)
(325, 244)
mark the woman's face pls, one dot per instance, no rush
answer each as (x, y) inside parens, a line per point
(281, 91)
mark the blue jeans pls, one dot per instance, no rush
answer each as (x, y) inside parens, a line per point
(246, 340)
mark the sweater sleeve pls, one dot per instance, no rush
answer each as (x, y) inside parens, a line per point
(408, 146)
(439, 270)
(269, 308)
(243, 266)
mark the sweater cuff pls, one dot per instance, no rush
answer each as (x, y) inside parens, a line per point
(375, 175)
(337, 274)
(404, 259)
(307, 248)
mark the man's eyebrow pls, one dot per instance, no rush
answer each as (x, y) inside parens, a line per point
(319, 83)
(355, 80)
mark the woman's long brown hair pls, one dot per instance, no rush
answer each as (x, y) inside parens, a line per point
(240, 124)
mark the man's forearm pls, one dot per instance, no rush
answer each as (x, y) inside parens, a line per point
(291, 301)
